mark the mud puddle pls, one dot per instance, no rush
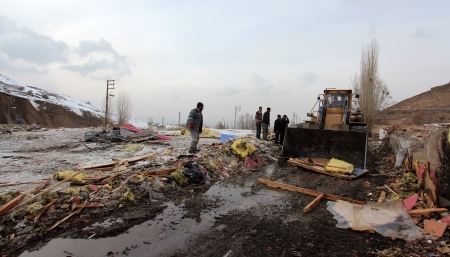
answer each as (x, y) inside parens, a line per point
(170, 230)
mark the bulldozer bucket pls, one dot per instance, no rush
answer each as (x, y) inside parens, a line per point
(349, 146)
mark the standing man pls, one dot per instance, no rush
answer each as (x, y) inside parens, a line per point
(258, 118)
(283, 126)
(194, 123)
(277, 128)
(266, 123)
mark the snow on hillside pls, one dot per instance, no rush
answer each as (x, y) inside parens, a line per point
(34, 94)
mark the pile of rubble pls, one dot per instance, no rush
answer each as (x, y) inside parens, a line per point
(8, 129)
(121, 184)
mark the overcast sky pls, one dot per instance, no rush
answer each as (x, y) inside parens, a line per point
(168, 55)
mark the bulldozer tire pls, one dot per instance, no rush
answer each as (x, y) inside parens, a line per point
(359, 128)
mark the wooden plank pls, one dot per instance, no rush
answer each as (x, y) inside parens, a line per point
(386, 186)
(11, 204)
(45, 191)
(99, 165)
(45, 209)
(313, 204)
(427, 211)
(64, 219)
(135, 158)
(307, 191)
(320, 170)
(22, 183)
(382, 197)
(157, 172)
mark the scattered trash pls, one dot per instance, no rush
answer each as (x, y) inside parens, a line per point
(389, 219)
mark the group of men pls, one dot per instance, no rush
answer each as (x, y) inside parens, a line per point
(263, 121)
(195, 123)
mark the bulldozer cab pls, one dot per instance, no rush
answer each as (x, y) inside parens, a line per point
(335, 130)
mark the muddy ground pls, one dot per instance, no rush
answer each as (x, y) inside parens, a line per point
(234, 216)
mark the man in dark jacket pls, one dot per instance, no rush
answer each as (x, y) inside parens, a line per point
(194, 123)
(266, 123)
(277, 128)
(258, 118)
(283, 126)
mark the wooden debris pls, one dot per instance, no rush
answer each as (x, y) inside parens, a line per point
(157, 172)
(100, 165)
(45, 191)
(307, 191)
(312, 204)
(11, 204)
(434, 228)
(382, 197)
(427, 211)
(64, 219)
(45, 209)
(392, 191)
(22, 183)
(317, 168)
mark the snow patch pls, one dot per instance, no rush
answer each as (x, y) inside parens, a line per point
(36, 95)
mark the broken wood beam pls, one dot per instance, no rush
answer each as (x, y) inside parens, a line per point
(308, 191)
(45, 209)
(386, 186)
(64, 219)
(100, 165)
(22, 183)
(427, 211)
(312, 204)
(316, 168)
(13, 203)
(157, 172)
(45, 191)
(382, 197)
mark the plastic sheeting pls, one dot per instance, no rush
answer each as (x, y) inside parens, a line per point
(390, 219)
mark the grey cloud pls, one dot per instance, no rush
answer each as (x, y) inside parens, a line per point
(109, 60)
(260, 85)
(309, 78)
(228, 90)
(175, 97)
(29, 46)
(420, 33)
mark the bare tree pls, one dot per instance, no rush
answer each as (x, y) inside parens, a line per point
(374, 93)
(245, 121)
(220, 125)
(150, 122)
(110, 110)
(124, 107)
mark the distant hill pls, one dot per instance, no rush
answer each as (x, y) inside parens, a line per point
(35, 105)
(432, 106)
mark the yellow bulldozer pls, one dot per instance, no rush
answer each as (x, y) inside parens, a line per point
(336, 129)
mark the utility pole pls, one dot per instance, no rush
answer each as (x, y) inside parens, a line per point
(163, 121)
(236, 110)
(109, 85)
(224, 125)
(179, 117)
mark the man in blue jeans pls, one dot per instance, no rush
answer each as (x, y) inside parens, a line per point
(194, 123)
